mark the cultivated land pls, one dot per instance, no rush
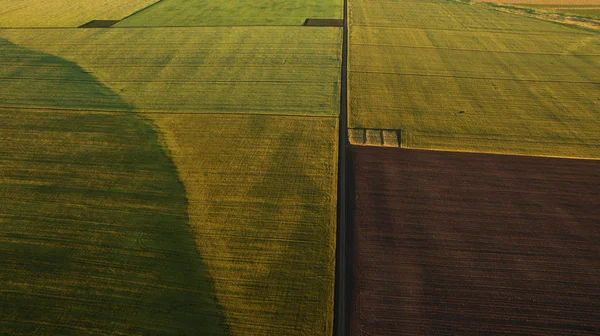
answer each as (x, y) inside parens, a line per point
(592, 11)
(475, 244)
(455, 76)
(264, 70)
(235, 12)
(249, 118)
(262, 194)
(65, 13)
(95, 235)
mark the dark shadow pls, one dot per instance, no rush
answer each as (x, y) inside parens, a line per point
(99, 24)
(95, 232)
(324, 22)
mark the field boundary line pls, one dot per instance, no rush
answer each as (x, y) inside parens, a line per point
(197, 26)
(472, 50)
(84, 110)
(162, 66)
(141, 10)
(498, 31)
(168, 81)
(343, 276)
(325, 116)
(539, 156)
(43, 109)
(474, 77)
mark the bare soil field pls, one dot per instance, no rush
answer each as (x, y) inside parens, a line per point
(475, 244)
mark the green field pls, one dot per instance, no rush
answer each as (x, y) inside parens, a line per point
(454, 76)
(65, 13)
(95, 235)
(247, 115)
(177, 13)
(265, 70)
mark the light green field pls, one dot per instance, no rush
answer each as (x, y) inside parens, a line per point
(462, 77)
(177, 13)
(94, 230)
(266, 70)
(249, 118)
(65, 13)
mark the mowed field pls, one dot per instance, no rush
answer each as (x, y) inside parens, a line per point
(455, 76)
(234, 13)
(65, 13)
(248, 117)
(475, 244)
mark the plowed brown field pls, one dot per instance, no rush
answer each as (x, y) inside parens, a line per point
(475, 244)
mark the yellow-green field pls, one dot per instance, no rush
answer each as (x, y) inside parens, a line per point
(262, 195)
(65, 13)
(94, 230)
(464, 77)
(592, 11)
(248, 116)
(177, 13)
(265, 70)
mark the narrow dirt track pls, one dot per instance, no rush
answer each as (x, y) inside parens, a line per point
(475, 244)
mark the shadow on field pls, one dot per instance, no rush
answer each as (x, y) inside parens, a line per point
(95, 233)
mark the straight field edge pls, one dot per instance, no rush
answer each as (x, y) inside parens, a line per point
(343, 275)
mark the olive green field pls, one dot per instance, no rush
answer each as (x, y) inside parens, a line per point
(176, 172)
(170, 180)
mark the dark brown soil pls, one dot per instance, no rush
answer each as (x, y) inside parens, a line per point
(99, 24)
(324, 22)
(475, 244)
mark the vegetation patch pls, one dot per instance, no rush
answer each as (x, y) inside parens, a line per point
(64, 13)
(262, 203)
(261, 70)
(249, 116)
(475, 80)
(95, 236)
(586, 18)
(177, 13)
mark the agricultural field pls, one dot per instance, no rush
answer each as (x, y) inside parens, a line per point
(175, 169)
(474, 244)
(264, 70)
(246, 121)
(177, 13)
(65, 13)
(461, 77)
(95, 234)
(592, 11)
(262, 201)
